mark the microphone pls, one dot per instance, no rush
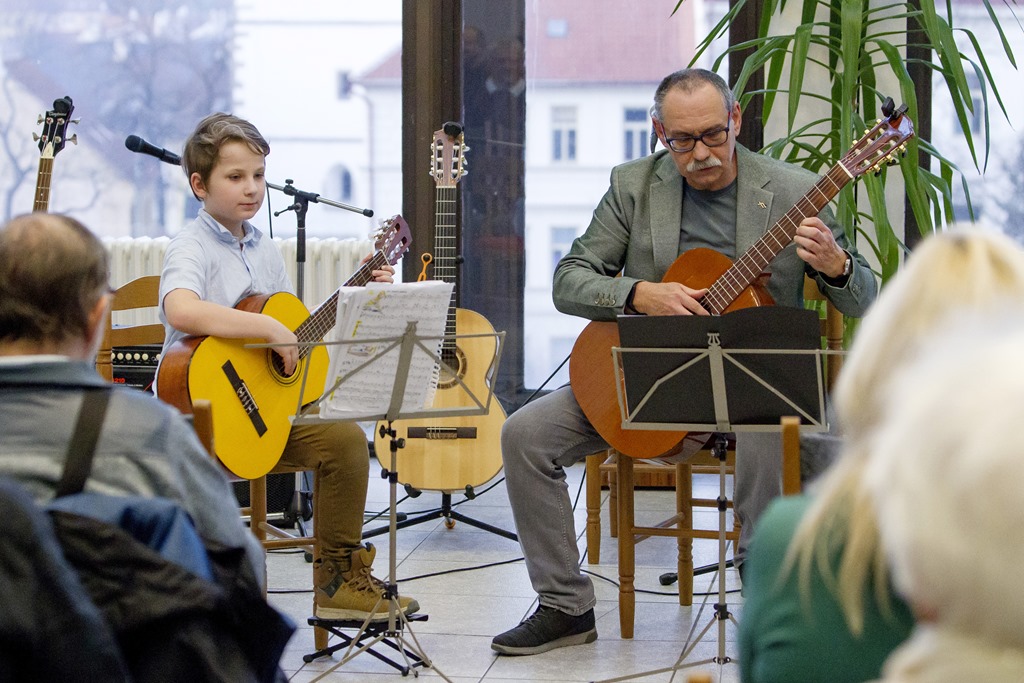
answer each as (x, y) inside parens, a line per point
(137, 144)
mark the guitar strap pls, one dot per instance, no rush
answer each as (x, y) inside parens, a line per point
(78, 462)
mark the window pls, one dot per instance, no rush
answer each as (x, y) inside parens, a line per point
(339, 183)
(155, 69)
(637, 133)
(563, 133)
(561, 240)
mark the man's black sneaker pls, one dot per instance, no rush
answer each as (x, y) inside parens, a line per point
(544, 630)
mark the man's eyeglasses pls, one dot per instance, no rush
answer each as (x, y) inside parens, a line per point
(712, 138)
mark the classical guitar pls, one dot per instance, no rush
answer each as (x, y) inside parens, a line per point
(252, 398)
(731, 286)
(51, 141)
(449, 454)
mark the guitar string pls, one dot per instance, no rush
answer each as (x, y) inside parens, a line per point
(751, 264)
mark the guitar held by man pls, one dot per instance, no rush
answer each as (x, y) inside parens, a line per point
(723, 285)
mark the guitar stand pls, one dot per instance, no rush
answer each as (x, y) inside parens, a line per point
(377, 630)
(450, 517)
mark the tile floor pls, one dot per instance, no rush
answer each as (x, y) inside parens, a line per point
(472, 584)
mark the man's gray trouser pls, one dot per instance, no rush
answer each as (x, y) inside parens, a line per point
(551, 433)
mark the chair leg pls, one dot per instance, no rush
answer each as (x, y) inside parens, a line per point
(258, 505)
(320, 635)
(613, 502)
(790, 456)
(594, 508)
(627, 559)
(684, 527)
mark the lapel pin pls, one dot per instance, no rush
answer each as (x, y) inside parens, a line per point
(762, 205)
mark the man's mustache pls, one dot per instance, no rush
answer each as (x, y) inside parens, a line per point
(698, 165)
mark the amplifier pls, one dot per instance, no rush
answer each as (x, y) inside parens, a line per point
(135, 366)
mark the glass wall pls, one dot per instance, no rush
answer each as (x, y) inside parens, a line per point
(302, 73)
(558, 91)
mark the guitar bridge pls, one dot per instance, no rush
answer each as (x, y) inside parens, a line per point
(441, 433)
(245, 398)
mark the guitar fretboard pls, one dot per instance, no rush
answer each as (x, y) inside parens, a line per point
(42, 200)
(748, 267)
(320, 321)
(445, 250)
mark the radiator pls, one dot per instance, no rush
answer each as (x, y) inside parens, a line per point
(329, 262)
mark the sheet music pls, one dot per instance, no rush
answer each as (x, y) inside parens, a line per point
(380, 311)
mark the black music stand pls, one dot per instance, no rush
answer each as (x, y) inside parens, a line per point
(742, 371)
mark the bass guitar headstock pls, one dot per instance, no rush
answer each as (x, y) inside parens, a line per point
(55, 123)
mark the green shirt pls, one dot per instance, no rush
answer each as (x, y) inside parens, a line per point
(788, 638)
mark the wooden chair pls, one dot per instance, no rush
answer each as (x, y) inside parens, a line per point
(622, 474)
(143, 293)
(601, 471)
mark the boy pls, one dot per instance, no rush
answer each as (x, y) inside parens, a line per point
(221, 258)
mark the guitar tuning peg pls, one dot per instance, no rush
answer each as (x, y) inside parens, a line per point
(76, 121)
(73, 139)
(465, 172)
(35, 137)
(431, 171)
(40, 119)
(466, 148)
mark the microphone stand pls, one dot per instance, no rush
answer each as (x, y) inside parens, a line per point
(300, 206)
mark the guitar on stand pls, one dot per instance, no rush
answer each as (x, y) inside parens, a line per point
(452, 453)
(253, 399)
(51, 141)
(731, 286)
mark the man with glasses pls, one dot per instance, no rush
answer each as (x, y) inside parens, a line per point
(704, 190)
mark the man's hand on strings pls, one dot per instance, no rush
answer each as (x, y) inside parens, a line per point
(668, 298)
(816, 245)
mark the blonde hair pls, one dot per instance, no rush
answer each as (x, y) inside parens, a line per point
(945, 475)
(966, 268)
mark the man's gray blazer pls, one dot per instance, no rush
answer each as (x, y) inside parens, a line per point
(635, 231)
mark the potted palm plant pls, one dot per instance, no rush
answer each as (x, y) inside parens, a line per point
(826, 61)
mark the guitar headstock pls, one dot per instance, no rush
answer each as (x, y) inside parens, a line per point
(448, 155)
(882, 143)
(55, 125)
(392, 239)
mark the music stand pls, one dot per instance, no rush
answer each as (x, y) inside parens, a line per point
(743, 371)
(398, 623)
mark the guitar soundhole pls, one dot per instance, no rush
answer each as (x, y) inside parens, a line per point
(455, 359)
(277, 369)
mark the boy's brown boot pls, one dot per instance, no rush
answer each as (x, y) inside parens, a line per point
(352, 592)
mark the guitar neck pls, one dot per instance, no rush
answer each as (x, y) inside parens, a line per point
(42, 200)
(321, 320)
(748, 267)
(445, 250)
